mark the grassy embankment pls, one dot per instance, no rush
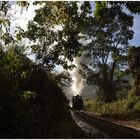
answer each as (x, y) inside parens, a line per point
(128, 108)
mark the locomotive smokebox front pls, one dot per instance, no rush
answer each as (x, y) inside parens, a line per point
(77, 102)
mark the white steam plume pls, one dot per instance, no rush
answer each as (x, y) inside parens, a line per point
(78, 82)
(79, 85)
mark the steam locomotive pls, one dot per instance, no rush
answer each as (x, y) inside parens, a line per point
(77, 102)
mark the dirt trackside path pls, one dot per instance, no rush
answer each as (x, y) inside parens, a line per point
(112, 128)
(135, 124)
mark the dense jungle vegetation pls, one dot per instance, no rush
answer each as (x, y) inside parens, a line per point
(32, 102)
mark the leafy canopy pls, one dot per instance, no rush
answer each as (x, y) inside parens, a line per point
(109, 32)
(55, 30)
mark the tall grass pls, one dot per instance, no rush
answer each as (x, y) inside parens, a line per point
(128, 108)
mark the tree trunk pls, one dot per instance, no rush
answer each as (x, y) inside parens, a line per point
(137, 84)
(108, 86)
(112, 71)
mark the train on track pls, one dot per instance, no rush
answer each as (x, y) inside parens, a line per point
(77, 102)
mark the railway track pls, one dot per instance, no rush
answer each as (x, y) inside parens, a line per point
(97, 127)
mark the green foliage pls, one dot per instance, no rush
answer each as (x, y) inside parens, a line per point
(92, 105)
(100, 8)
(134, 59)
(134, 65)
(128, 108)
(32, 105)
(109, 32)
(22, 3)
(116, 109)
(132, 6)
(11, 67)
(28, 94)
(88, 104)
(55, 28)
(5, 23)
(4, 7)
(137, 107)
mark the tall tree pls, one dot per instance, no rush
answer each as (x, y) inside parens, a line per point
(134, 65)
(55, 30)
(109, 32)
(132, 6)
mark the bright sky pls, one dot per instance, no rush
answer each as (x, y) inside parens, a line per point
(21, 18)
(136, 29)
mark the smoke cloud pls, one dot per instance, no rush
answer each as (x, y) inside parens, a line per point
(77, 80)
(79, 85)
